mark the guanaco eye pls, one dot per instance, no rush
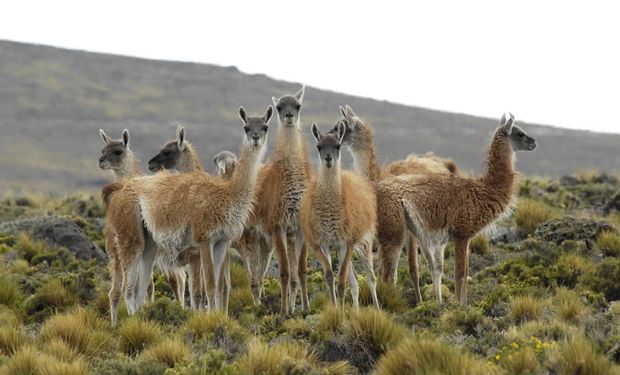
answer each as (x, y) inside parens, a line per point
(166, 152)
(278, 108)
(298, 107)
(246, 128)
(118, 152)
(265, 128)
(319, 147)
(338, 147)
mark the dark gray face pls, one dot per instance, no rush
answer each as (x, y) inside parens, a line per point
(519, 140)
(256, 127)
(225, 162)
(329, 145)
(114, 152)
(167, 158)
(288, 107)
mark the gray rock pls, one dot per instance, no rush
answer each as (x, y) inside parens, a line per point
(569, 181)
(57, 232)
(571, 228)
(505, 235)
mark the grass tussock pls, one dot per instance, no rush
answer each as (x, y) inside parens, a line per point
(390, 296)
(430, 357)
(80, 329)
(569, 306)
(10, 293)
(29, 248)
(531, 213)
(56, 295)
(285, 358)
(526, 308)
(203, 324)
(553, 330)
(331, 320)
(373, 331)
(609, 243)
(578, 356)
(169, 352)
(12, 338)
(136, 334)
(523, 362)
(28, 361)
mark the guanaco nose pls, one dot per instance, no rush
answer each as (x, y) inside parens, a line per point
(256, 137)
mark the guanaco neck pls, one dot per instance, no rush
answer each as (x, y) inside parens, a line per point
(189, 161)
(128, 169)
(290, 144)
(243, 181)
(364, 154)
(500, 175)
(330, 179)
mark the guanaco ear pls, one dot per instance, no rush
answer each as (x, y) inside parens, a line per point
(316, 132)
(243, 115)
(300, 94)
(342, 111)
(342, 129)
(275, 101)
(268, 114)
(350, 113)
(125, 138)
(105, 137)
(507, 122)
(180, 137)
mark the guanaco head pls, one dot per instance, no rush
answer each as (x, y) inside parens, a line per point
(115, 154)
(356, 131)
(256, 127)
(519, 140)
(226, 163)
(329, 144)
(171, 154)
(288, 107)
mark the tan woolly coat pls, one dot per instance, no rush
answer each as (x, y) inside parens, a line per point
(341, 212)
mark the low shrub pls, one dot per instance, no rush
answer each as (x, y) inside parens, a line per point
(27, 247)
(165, 311)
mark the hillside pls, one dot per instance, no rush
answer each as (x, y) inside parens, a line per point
(52, 101)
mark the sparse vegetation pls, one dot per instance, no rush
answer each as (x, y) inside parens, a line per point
(544, 304)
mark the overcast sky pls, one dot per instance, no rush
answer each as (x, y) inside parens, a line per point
(551, 62)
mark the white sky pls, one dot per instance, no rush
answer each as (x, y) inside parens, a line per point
(551, 62)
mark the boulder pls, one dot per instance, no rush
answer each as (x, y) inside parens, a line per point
(57, 232)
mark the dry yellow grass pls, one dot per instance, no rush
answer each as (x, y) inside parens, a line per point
(531, 213)
(526, 308)
(169, 352)
(430, 357)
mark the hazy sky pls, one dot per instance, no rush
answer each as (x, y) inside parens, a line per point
(552, 62)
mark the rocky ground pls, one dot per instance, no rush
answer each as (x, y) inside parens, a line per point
(543, 293)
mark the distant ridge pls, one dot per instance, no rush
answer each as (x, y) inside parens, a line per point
(53, 101)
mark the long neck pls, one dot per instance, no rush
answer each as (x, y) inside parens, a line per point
(365, 156)
(330, 179)
(190, 161)
(290, 143)
(128, 169)
(500, 174)
(243, 181)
